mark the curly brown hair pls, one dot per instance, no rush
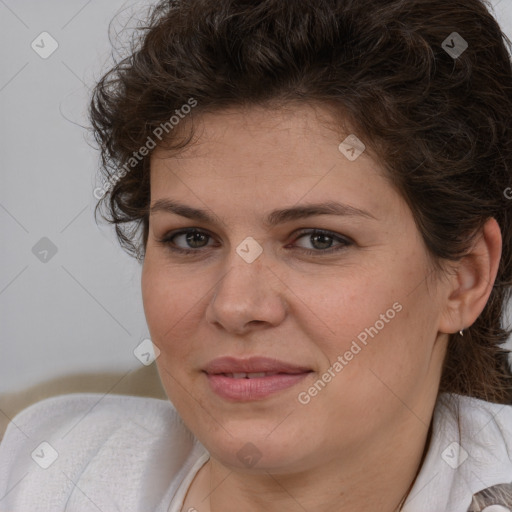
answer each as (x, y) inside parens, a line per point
(439, 122)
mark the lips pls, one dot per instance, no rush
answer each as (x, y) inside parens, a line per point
(252, 375)
(256, 378)
(247, 368)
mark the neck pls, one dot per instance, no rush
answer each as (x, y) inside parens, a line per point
(380, 479)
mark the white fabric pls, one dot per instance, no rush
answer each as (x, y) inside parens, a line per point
(484, 431)
(131, 454)
(115, 453)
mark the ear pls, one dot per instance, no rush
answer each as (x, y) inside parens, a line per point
(472, 280)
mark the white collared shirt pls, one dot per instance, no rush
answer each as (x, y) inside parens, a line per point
(84, 452)
(470, 450)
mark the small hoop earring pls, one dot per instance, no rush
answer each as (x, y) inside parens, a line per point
(461, 332)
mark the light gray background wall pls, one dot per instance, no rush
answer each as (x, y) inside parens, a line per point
(79, 309)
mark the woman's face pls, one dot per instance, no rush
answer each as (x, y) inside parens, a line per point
(354, 311)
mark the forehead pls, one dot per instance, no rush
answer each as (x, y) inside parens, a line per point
(254, 154)
(238, 131)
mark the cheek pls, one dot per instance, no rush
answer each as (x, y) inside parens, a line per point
(387, 351)
(153, 298)
(173, 302)
(345, 304)
(163, 298)
(376, 319)
(164, 304)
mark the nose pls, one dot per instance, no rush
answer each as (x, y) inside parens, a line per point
(249, 296)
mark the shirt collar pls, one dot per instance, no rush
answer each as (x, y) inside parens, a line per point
(469, 451)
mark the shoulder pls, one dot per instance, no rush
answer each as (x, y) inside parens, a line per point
(485, 430)
(478, 420)
(105, 444)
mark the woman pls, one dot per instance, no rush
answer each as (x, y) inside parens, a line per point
(317, 193)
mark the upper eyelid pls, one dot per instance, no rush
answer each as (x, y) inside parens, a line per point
(299, 232)
(321, 231)
(177, 232)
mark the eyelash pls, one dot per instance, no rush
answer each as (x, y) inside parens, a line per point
(345, 242)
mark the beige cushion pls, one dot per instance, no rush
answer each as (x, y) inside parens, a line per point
(141, 382)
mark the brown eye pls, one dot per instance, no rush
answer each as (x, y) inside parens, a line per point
(322, 241)
(192, 240)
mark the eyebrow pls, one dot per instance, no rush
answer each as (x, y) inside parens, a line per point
(274, 218)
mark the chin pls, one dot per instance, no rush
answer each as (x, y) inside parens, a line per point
(260, 447)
